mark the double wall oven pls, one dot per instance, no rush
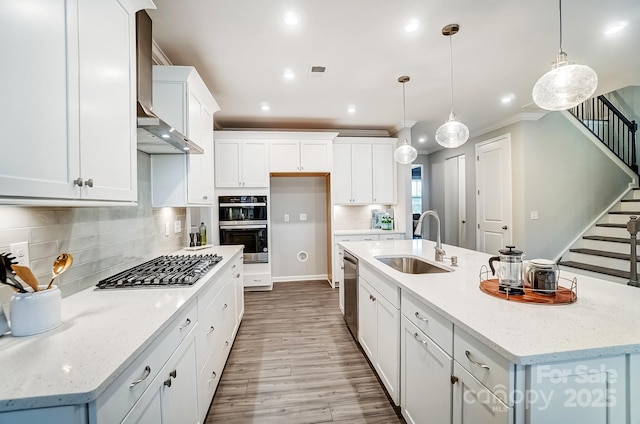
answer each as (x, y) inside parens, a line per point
(243, 220)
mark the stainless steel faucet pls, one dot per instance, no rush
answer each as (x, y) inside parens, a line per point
(418, 232)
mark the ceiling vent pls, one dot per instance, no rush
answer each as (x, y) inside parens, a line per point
(317, 71)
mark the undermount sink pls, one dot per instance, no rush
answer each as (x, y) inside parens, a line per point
(411, 265)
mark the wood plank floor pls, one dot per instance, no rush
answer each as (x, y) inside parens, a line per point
(294, 361)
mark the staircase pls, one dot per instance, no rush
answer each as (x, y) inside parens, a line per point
(604, 249)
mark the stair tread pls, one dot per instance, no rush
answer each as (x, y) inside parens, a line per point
(603, 253)
(611, 239)
(624, 212)
(612, 225)
(595, 268)
(630, 200)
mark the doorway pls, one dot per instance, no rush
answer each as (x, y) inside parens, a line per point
(455, 204)
(493, 183)
(416, 194)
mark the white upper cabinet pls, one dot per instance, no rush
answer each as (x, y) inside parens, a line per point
(182, 99)
(72, 123)
(241, 163)
(363, 171)
(300, 156)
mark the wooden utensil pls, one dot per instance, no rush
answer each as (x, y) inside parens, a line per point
(24, 272)
(60, 265)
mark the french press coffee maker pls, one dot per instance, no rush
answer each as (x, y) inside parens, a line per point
(510, 270)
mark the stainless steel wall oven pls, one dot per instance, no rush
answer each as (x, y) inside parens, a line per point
(243, 220)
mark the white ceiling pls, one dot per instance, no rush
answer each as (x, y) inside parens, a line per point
(240, 48)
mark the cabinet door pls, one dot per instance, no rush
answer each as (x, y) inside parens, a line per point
(38, 119)
(634, 386)
(148, 410)
(200, 173)
(255, 164)
(384, 181)
(388, 349)
(341, 175)
(284, 156)
(227, 162)
(367, 319)
(315, 156)
(238, 283)
(473, 403)
(361, 173)
(425, 369)
(108, 157)
(179, 400)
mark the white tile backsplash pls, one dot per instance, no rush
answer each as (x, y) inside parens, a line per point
(354, 217)
(102, 240)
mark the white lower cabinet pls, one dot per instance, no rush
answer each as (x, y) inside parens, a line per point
(379, 335)
(425, 378)
(473, 403)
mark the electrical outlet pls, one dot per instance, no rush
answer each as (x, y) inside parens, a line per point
(177, 227)
(534, 214)
(167, 229)
(303, 217)
(21, 252)
(286, 217)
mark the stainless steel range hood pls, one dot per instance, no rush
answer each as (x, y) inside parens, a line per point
(154, 135)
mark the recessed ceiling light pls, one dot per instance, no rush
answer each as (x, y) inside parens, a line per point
(412, 25)
(508, 99)
(351, 109)
(165, 136)
(422, 139)
(288, 73)
(265, 106)
(615, 28)
(291, 18)
(186, 149)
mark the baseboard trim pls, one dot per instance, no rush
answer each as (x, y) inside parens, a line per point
(295, 278)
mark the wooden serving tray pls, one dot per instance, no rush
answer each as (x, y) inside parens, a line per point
(562, 296)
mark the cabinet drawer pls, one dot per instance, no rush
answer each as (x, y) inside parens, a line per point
(357, 237)
(393, 236)
(428, 321)
(487, 366)
(473, 402)
(216, 323)
(114, 404)
(386, 288)
(212, 288)
(209, 376)
(251, 280)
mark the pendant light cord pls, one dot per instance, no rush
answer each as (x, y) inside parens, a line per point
(451, 69)
(560, 14)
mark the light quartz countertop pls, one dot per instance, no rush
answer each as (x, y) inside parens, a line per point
(603, 321)
(102, 332)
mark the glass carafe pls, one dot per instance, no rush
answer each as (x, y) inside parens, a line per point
(510, 270)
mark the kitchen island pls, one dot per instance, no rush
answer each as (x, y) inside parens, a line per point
(113, 347)
(578, 362)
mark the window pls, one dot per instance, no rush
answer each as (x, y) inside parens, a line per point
(416, 189)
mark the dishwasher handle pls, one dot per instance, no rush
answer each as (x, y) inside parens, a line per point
(348, 259)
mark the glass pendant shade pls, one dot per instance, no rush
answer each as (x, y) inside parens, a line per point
(452, 133)
(565, 86)
(405, 153)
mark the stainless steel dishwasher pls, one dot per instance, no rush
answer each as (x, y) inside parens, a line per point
(351, 293)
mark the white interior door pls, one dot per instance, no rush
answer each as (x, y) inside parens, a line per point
(454, 199)
(493, 182)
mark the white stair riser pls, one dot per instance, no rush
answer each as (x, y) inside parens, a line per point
(635, 194)
(616, 219)
(604, 245)
(610, 232)
(629, 206)
(612, 263)
(594, 275)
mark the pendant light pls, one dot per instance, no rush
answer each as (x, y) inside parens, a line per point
(405, 153)
(452, 133)
(566, 85)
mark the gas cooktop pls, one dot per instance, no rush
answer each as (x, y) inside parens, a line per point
(163, 271)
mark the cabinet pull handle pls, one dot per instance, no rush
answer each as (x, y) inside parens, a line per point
(213, 376)
(225, 306)
(417, 337)
(90, 182)
(205, 197)
(78, 181)
(145, 374)
(478, 364)
(186, 324)
(233, 266)
(226, 343)
(167, 382)
(211, 330)
(420, 318)
(173, 374)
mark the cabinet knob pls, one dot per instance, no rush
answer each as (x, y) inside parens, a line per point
(454, 379)
(90, 182)
(504, 227)
(173, 374)
(205, 197)
(238, 275)
(78, 181)
(167, 382)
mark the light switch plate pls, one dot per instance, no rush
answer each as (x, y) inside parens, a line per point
(167, 229)
(286, 217)
(303, 217)
(177, 227)
(21, 252)
(534, 214)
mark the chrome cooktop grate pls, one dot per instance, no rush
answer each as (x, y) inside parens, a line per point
(163, 271)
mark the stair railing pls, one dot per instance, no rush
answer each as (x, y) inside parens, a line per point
(611, 127)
